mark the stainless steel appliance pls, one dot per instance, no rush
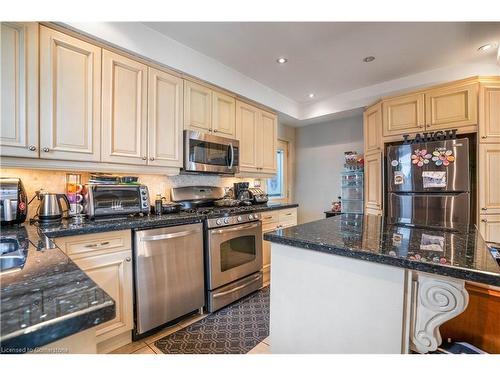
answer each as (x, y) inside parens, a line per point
(196, 196)
(429, 183)
(234, 255)
(13, 201)
(50, 209)
(169, 275)
(109, 200)
(258, 196)
(210, 153)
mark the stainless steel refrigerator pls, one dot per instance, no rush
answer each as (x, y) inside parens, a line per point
(429, 183)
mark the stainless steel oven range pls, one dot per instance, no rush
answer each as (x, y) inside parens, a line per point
(234, 258)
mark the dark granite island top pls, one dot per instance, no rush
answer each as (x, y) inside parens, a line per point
(461, 253)
(44, 296)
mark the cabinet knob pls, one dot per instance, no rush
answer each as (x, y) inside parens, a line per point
(144, 158)
(128, 259)
(151, 158)
(215, 130)
(484, 220)
(483, 208)
(45, 149)
(32, 148)
(420, 126)
(483, 137)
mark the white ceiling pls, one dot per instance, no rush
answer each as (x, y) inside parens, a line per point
(326, 58)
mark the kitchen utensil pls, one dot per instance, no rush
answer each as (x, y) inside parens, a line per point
(50, 209)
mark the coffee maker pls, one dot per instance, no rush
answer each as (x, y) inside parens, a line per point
(241, 192)
(13, 201)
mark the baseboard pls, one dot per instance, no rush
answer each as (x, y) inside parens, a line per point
(114, 343)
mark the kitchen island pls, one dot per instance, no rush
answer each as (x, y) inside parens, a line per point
(358, 284)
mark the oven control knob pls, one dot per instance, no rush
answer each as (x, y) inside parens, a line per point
(226, 220)
(250, 217)
(239, 218)
(218, 222)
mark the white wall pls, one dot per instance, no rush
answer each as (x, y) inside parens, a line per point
(320, 159)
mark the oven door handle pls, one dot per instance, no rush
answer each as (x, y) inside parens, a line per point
(236, 228)
(168, 235)
(238, 287)
(231, 149)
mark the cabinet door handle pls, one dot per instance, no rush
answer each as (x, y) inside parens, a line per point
(215, 130)
(93, 245)
(289, 214)
(268, 217)
(151, 158)
(128, 259)
(420, 126)
(144, 158)
(483, 208)
(484, 220)
(45, 149)
(483, 137)
(32, 148)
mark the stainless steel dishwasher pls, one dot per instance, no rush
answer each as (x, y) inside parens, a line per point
(169, 274)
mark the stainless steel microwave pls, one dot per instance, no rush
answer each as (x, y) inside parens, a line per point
(210, 153)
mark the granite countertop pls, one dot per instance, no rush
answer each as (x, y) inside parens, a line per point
(46, 297)
(460, 253)
(66, 228)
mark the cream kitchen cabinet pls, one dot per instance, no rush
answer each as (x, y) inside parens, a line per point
(451, 106)
(489, 179)
(107, 259)
(372, 126)
(271, 221)
(373, 181)
(403, 114)
(19, 89)
(489, 226)
(70, 97)
(208, 111)
(165, 119)
(124, 109)
(257, 131)
(489, 112)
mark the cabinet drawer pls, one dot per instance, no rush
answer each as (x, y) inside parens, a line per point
(269, 217)
(286, 216)
(96, 243)
(269, 227)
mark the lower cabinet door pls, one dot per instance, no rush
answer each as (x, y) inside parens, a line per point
(113, 273)
(489, 227)
(266, 261)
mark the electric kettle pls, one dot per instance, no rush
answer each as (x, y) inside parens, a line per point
(50, 209)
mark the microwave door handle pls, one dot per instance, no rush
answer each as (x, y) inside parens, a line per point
(231, 150)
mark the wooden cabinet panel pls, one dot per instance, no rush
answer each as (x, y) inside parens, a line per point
(489, 113)
(19, 89)
(373, 181)
(268, 142)
(372, 126)
(452, 106)
(85, 245)
(247, 123)
(124, 109)
(70, 97)
(165, 107)
(113, 273)
(489, 179)
(489, 225)
(404, 114)
(197, 107)
(223, 115)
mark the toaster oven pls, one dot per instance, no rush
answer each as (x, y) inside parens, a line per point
(115, 200)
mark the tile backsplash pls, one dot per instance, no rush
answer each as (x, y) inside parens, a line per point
(55, 181)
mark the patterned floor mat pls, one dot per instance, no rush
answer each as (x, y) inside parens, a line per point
(235, 329)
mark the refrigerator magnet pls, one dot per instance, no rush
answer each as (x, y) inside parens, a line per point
(434, 179)
(399, 178)
(394, 163)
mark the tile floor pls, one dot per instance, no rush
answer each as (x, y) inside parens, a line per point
(147, 346)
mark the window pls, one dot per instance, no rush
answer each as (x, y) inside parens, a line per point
(277, 187)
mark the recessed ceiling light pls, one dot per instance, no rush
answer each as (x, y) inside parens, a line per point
(281, 60)
(369, 59)
(485, 47)
(311, 95)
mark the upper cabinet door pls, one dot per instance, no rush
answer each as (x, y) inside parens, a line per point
(489, 113)
(124, 109)
(223, 115)
(247, 124)
(164, 119)
(269, 138)
(70, 97)
(372, 125)
(197, 107)
(404, 114)
(489, 184)
(19, 89)
(451, 107)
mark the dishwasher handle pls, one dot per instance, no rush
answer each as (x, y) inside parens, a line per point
(167, 236)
